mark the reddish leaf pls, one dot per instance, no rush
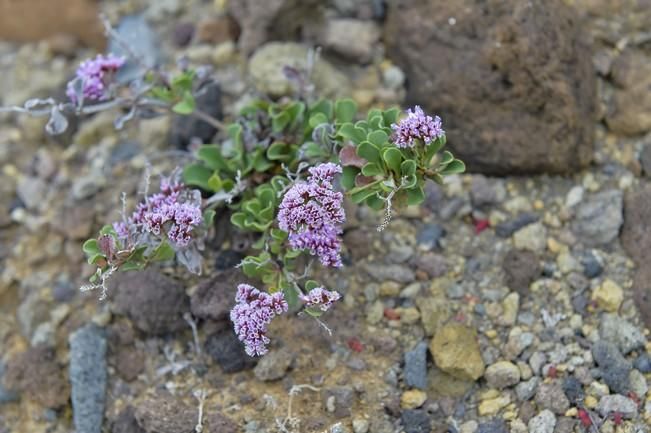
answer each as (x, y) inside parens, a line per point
(481, 225)
(348, 157)
(585, 418)
(355, 345)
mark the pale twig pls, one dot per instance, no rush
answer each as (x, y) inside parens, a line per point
(291, 421)
(200, 395)
(104, 277)
(215, 123)
(195, 334)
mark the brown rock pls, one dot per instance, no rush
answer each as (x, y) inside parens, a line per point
(33, 20)
(129, 362)
(214, 297)
(510, 76)
(36, 373)
(153, 302)
(636, 240)
(629, 110)
(217, 30)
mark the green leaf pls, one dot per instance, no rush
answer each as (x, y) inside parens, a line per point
(390, 116)
(348, 177)
(371, 169)
(107, 230)
(375, 202)
(183, 82)
(446, 158)
(280, 121)
(408, 167)
(238, 219)
(369, 152)
(91, 247)
(317, 119)
(215, 182)
(279, 151)
(186, 105)
(313, 150)
(163, 252)
(415, 196)
(208, 218)
(198, 175)
(456, 166)
(235, 132)
(211, 155)
(373, 112)
(291, 296)
(311, 284)
(345, 110)
(322, 106)
(348, 131)
(278, 234)
(393, 158)
(410, 181)
(378, 138)
(433, 148)
(362, 194)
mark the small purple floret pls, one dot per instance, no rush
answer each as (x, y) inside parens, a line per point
(96, 75)
(252, 315)
(417, 126)
(320, 298)
(312, 213)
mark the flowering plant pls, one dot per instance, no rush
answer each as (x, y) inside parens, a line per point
(281, 170)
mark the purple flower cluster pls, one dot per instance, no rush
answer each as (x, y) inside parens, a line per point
(312, 213)
(320, 298)
(164, 212)
(417, 126)
(252, 315)
(95, 75)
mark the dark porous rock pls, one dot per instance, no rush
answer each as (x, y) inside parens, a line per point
(626, 336)
(598, 219)
(187, 129)
(6, 396)
(521, 268)
(551, 396)
(358, 242)
(153, 302)
(215, 296)
(614, 367)
(183, 33)
(573, 390)
(486, 192)
(494, 425)
(507, 228)
(228, 352)
(645, 159)
(36, 374)
(494, 71)
(272, 20)
(415, 371)
(129, 362)
(565, 424)
(126, 422)
(592, 266)
(416, 421)
(228, 259)
(338, 400)
(430, 235)
(88, 376)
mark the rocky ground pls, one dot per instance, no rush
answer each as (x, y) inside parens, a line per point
(505, 304)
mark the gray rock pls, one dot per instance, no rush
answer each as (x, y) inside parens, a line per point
(228, 352)
(551, 396)
(88, 376)
(526, 390)
(415, 421)
(415, 371)
(126, 422)
(619, 331)
(353, 39)
(338, 400)
(637, 382)
(398, 273)
(609, 404)
(592, 266)
(136, 32)
(598, 219)
(544, 422)
(521, 268)
(435, 265)
(213, 298)
(31, 191)
(614, 367)
(486, 192)
(573, 389)
(273, 365)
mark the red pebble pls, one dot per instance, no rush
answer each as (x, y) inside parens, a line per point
(552, 372)
(481, 225)
(618, 418)
(585, 418)
(391, 314)
(355, 345)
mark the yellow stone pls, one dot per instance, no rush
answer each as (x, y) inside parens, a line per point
(491, 333)
(609, 295)
(590, 402)
(554, 246)
(509, 415)
(412, 399)
(538, 204)
(494, 405)
(456, 351)
(571, 412)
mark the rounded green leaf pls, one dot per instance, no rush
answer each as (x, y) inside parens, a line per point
(408, 167)
(371, 169)
(198, 175)
(378, 138)
(393, 158)
(369, 152)
(345, 110)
